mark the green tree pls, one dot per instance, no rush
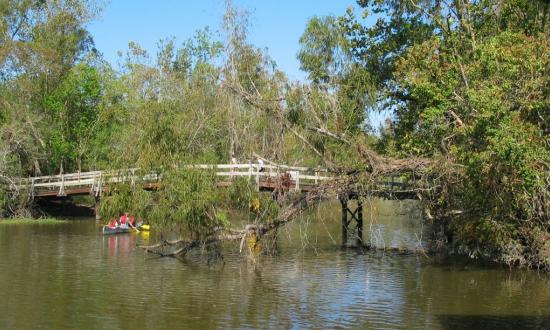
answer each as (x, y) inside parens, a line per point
(74, 108)
(326, 55)
(40, 43)
(468, 84)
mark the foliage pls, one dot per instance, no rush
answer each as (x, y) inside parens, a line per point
(4, 201)
(240, 194)
(124, 198)
(73, 107)
(468, 82)
(188, 199)
(327, 58)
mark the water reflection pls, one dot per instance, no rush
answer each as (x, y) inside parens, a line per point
(120, 245)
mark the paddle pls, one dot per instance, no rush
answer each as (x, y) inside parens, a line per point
(130, 223)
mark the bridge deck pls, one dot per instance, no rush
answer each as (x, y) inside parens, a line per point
(266, 178)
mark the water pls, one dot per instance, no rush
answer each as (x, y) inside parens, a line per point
(70, 276)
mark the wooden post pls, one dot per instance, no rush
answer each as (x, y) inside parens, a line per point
(133, 179)
(98, 193)
(356, 215)
(96, 209)
(359, 222)
(92, 187)
(257, 178)
(345, 222)
(297, 188)
(62, 187)
(32, 188)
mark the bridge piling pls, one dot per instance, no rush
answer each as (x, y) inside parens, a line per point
(96, 209)
(345, 222)
(359, 223)
(356, 214)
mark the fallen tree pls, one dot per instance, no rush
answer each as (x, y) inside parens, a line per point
(253, 233)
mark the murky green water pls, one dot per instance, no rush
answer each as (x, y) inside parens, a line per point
(70, 276)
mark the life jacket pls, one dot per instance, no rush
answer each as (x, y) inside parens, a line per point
(133, 221)
(112, 223)
(123, 219)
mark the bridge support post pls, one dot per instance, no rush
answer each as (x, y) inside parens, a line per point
(345, 222)
(355, 214)
(96, 209)
(359, 220)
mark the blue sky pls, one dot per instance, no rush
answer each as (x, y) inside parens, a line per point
(275, 25)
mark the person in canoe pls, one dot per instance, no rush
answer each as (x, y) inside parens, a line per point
(124, 224)
(124, 220)
(112, 224)
(133, 224)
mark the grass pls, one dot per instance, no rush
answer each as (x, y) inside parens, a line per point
(30, 221)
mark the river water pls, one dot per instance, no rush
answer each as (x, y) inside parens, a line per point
(70, 276)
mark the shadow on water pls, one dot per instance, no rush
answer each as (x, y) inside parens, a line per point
(494, 321)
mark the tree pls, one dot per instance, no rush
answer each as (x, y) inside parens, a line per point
(327, 58)
(467, 82)
(74, 108)
(40, 43)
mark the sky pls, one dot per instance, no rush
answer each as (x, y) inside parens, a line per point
(276, 25)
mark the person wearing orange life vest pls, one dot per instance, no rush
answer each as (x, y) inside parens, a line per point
(112, 224)
(124, 220)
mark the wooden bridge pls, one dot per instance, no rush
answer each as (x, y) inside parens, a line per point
(266, 177)
(95, 183)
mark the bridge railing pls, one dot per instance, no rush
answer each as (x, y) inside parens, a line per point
(297, 176)
(267, 176)
(96, 181)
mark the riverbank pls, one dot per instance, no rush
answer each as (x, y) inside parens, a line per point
(30, 221)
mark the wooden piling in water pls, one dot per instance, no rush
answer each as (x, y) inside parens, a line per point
(356, 215)
(96, 209)
(345, 222)
(359, 222)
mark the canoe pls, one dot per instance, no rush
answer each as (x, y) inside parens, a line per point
(109, 231)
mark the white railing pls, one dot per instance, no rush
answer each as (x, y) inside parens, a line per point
(97, 180)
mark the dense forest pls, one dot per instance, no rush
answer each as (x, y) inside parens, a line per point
(466, 82)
